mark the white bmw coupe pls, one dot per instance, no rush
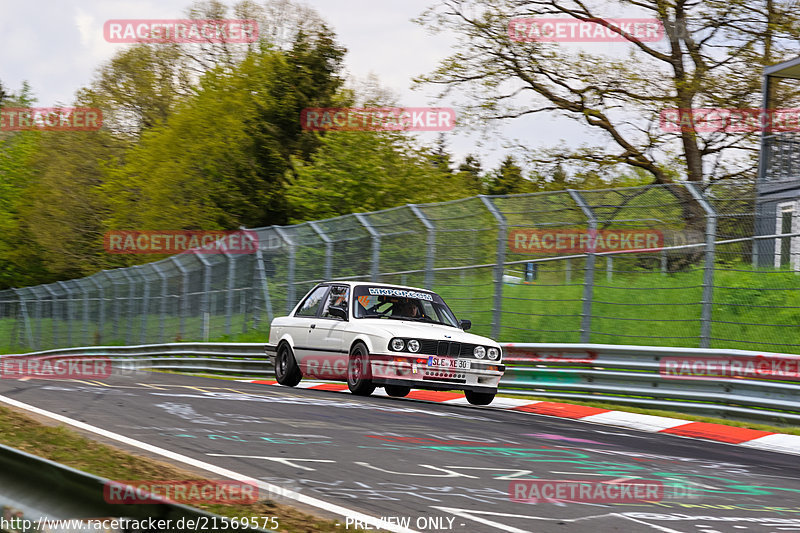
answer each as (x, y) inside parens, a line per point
(377, 335)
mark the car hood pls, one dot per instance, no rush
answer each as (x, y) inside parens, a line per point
(403, 328)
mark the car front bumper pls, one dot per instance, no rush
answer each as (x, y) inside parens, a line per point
(414, 371)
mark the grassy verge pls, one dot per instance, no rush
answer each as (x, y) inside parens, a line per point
(70, 448)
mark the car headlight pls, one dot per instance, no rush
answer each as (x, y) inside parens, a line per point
(398, 344)
(413, 345)
(479, 352)
(493, 353)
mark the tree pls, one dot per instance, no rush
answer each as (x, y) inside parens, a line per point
(440, 157)
(508, 179)
(365, 171)
(712, 56)
(470, 173)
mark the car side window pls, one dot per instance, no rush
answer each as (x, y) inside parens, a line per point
(311, 304)
(339, 297)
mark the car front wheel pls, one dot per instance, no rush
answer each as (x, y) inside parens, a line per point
(479, 398)
(286, 370)
(359, 376)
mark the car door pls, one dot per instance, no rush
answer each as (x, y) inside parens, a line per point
(303, 321)
(328, 356)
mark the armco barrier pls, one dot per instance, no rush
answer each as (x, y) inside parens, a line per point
(34, 488)
(621, 374)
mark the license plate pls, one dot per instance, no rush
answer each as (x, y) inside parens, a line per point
(444, 362)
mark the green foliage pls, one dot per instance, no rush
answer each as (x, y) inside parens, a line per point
(508, 179)
(366, 171)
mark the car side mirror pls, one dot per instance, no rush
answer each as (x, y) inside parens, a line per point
(465, 324)
(338, 311)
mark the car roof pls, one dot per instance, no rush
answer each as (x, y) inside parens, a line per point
(374, 284)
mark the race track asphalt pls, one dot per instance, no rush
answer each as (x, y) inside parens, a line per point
(434, 467)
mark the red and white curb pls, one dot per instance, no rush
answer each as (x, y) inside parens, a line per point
(752, 438)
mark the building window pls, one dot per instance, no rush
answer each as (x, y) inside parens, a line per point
(786, 248)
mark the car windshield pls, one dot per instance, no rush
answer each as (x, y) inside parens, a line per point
(402, 304)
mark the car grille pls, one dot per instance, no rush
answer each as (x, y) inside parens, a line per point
(446, 348)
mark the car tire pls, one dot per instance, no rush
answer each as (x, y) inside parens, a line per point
(479, 398)
(396, 391)
(359, 375)
(286, 370)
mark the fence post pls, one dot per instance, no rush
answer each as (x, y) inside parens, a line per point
(290, 288)
(68, 304)
(261, 275)
(231, 286)
(101, 312)
(26, 323)
(115, 306)
(376, 246)
(430, 248)
(162, 308)
(54, 325)
(708, 269)
(85, 328)
(131, 306)
(328, 250)
(588, 278)
(145, 302)
(502, 237)
(206, 305)
(184, 312)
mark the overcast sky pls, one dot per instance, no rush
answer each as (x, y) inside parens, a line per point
(57, 45)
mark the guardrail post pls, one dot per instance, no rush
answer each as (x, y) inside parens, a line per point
(290, 288)
(206, 305)
(708, 269)
(131, 305)
(231, 286)
(376, 246)
(588, 278)
(184, 312)
(328, 249)
(101, 312)
(502, 237)
(68, 305)
(430, 247)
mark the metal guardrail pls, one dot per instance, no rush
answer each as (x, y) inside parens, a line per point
(32, 487)
(601, 372)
